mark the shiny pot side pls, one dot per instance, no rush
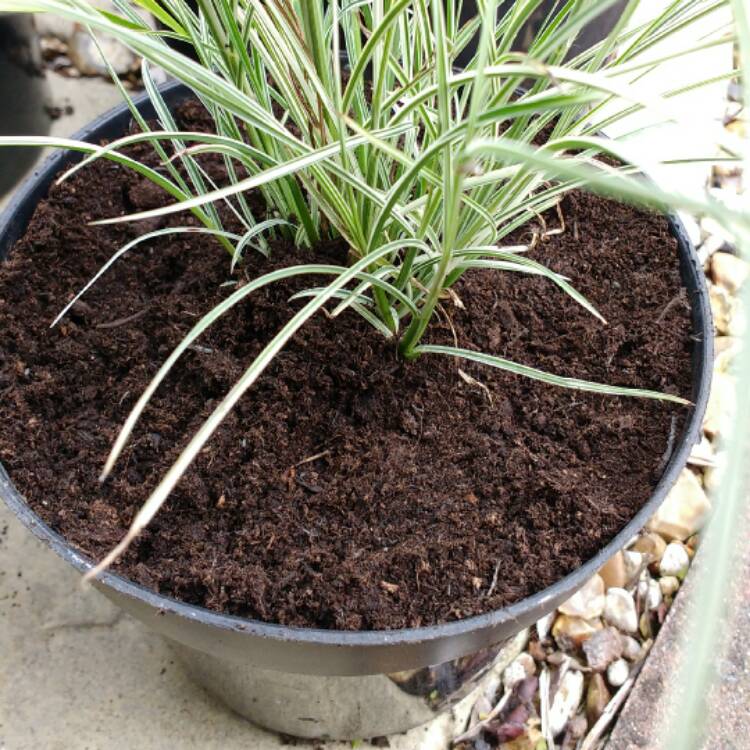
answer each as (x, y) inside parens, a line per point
(346, 708)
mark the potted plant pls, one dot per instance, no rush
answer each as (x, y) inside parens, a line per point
(374, 293)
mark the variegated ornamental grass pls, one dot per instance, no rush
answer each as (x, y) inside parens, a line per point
(352, 120)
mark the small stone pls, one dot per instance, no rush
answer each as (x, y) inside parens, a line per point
(724, 170)
(722, 308)
(597, 698)
(544, 624)
(524, 742)
(691, 227)
(528, 663)
(577, 728)
(603, 648)
(729, 271)
(645, 626)
(566, 701)
(633, 539)
(613, 571)
(482, 706)
(711, 245)
(651, 545)
(669, 585)
(48, 25)
(587, 602)
(653, 596)
(537, 651)
(617, 672)
(634, 564)
(641, 591)
(703, 454)
(722, 405)
(675, 561)
(571, 632)
(619, 610)
(560, 658)
(520, 668)
(88, 61)
(631, 649)
(512, 675)
(512, 727)
(489, 691)
(684, 510)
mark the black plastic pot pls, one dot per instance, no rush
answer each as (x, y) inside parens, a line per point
(341, 676)
(23, 89)
(595, 31)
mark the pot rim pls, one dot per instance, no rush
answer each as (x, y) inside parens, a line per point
(13, 223)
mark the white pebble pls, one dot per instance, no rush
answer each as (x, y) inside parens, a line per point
(686, 507)
(723, 308)
(729, 270)
(691, 227)
(544, 625)
(565, 702)
(619, 610)
(669, 585)
(653, 596)
(642, 589)
(587, 602)
(491, 687)
(617, 672)
(631, 649)
(675, 561)
(86, 58)
(49, 25)
(520, 668)
(512, 675)
(711, 245)
(634, 563)
(571, 632)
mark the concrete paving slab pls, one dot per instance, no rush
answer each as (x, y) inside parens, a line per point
(728, 703)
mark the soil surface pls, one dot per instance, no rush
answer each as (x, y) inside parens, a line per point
(348, 489)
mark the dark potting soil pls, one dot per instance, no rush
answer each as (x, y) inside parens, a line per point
(348, 489)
